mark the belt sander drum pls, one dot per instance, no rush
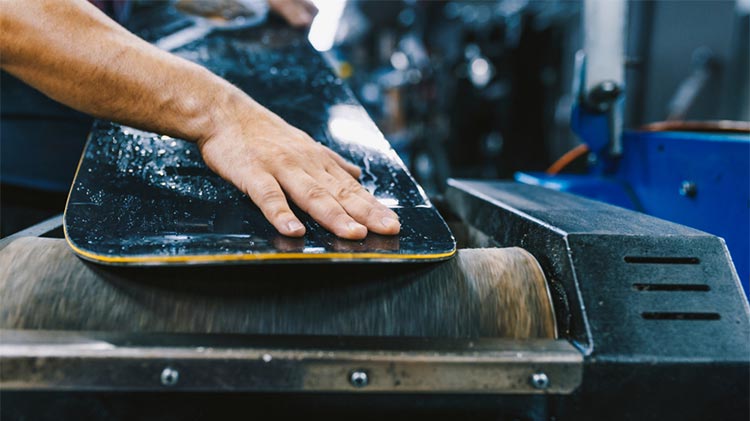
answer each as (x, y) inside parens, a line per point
(490, 292)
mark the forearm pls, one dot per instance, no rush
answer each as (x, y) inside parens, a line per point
(73, 53)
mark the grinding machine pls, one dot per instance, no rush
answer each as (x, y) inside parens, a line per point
(554, 307)
(649, 323)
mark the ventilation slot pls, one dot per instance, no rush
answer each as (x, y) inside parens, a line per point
(680, 316)
(671, 287)
(663, 260)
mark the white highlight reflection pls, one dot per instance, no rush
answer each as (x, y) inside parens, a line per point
(351, 124)
(326, 23)
(389, 202)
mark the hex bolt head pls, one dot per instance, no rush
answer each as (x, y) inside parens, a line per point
(169, 376)
(602, 96)
(688, 188)
(539, 381)
(359, 378)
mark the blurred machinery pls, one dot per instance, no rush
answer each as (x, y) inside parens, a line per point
(460, 88)
(480, 89)
(693, 172)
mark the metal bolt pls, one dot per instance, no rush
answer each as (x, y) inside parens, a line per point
(169, 377)
(539, 380)
(358, 378)
(602, 96)
(688, 188)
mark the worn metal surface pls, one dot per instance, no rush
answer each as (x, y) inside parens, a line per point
(479, 293)
(45, 228)
(142, 198)
(45, 360)
(656, 307)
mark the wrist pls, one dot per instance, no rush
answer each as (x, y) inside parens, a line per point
(212, 109)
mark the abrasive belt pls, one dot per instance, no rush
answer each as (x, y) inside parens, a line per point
(491, 292)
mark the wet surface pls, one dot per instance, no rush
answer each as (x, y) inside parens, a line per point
(139, 194)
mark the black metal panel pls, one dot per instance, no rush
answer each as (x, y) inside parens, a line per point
(224, 405)
(656, 307)
(475, 204)
(628, 314)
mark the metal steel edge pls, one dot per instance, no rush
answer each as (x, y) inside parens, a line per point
(56, 360)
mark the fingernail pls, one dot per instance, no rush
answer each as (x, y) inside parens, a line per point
(294, 226)
(389, 222)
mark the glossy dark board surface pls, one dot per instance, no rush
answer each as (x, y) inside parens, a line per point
(140, 198)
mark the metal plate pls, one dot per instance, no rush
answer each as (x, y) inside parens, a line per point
(57, 360)
(139, 198)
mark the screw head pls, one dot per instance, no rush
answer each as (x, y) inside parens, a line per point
(169, 376)
(688, 188)
(539, 381)
(603, 95)
(359, 378)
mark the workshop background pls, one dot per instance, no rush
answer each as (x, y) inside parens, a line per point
(485, 89)
(553, 307)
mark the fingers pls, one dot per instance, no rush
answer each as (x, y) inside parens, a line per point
(266, 192)
(315, 199)
(297, 13)
(325, 189)
(276, 163)
(311, 8)
(361, 205)
(350, 168)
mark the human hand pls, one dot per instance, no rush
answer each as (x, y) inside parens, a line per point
(270, 160)
(299, 13)
(217, 9)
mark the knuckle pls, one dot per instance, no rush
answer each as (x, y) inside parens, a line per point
(333, 215)
(329, 165)
(270, 194)
(371, 211)
(353, 168)
(344, 192)
(354, 184)
(268, 155)
(277, 213)
(284, 160)
(316, 192)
